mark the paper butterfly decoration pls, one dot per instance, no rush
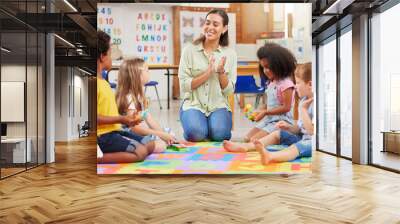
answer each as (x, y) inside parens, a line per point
(187, 21)
(188, 38)
(116, 53)
(202, 21)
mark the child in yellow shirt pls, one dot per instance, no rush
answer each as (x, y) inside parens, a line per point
(118, 146)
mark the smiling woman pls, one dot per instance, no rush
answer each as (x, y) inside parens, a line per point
(207, 73)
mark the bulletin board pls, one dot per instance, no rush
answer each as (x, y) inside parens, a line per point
(191, 27)
(138, 30)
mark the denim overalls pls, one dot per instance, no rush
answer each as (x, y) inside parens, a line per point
(268, 123)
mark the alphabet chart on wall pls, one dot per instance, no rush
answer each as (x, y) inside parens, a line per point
(142, 31)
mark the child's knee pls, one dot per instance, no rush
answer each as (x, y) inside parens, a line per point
(150, 147)
(160, 146)
(141, 152)
(276, 135)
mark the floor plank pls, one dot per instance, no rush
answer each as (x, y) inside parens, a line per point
(70, 191)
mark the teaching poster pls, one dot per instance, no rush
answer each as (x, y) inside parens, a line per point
(138, 30)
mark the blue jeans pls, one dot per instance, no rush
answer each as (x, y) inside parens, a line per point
(303, 146)
(119, 141)
(198, 127)
(122, 141)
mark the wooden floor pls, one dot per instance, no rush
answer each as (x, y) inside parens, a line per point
(70, 191)
(387, 159)
(10, 171)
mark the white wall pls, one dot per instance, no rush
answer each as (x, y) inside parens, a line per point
(79, 117)
(302, 28)
(33, 126)
(67, 115)
(61, 103)
(14, 73)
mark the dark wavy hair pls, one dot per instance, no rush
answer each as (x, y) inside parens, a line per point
(103, 43)
(280, 60)
(224, 38)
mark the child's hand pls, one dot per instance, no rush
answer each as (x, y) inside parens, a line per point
(131, 119)
(260, 115)
(128, 120)
(282, 125)
(137, 117)
(168, 138)
(306, 104)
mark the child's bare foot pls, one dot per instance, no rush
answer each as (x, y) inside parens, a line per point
(160, 146)
(265, 155)
(253, 139)
(233, 147)
(246, 139)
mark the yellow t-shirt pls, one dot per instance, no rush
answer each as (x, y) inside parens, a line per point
(106, 106)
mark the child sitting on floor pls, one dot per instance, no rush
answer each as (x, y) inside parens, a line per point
(133, 75)
(277, 65)
(298, 136)
(116, 145)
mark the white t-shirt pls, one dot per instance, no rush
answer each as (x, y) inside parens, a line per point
(132, 103)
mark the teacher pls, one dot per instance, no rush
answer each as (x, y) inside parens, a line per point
(207, 75)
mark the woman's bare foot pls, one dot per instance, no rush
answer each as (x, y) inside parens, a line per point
(233, 146)
(265, 155)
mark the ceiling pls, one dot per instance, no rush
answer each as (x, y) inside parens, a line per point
(330, 16)
(76, 22)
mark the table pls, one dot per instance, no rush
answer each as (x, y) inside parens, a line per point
(18, 151)
(391, 141)
(168, 74)
(243, 70)
(249, 69)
